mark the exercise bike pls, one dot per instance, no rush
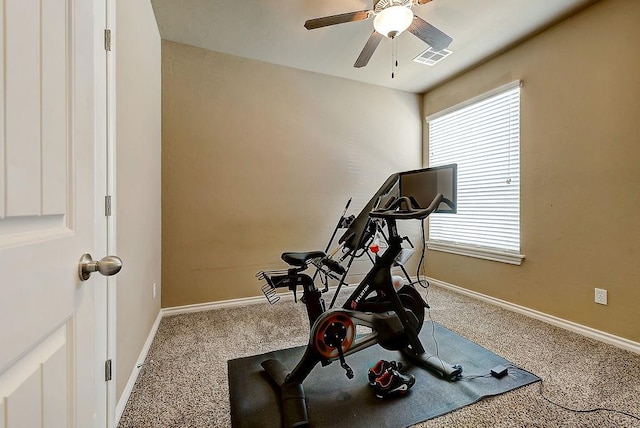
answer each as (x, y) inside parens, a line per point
(389, 317)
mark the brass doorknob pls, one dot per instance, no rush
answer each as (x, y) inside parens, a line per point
(109, 265)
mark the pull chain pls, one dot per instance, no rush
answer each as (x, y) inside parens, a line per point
(394, 56)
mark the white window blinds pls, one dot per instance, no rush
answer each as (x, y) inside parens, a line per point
(483, 138)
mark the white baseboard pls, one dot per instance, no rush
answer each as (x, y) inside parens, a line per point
(592, 333)
(285, 295)
(174, 310)
(122, 402)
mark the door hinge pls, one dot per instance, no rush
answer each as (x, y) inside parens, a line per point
(107, 370)
(107, 206)
(107, 40)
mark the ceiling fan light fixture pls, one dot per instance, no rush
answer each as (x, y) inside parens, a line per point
(393, 20)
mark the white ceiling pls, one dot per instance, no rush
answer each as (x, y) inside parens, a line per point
(273, 31)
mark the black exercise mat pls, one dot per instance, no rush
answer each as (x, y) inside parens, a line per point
(333, 400)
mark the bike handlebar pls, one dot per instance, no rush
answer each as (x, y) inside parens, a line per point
(402, 209)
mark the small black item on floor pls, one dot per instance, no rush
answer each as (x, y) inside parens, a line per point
(499, 371)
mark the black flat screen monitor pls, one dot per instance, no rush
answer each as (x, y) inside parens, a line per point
(424, 184)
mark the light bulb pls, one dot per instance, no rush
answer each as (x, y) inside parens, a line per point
(393, 20)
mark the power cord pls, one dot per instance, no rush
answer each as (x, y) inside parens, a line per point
(597, 409)
(562, 406)
(471, 377)
(418, 277)
(426, 298)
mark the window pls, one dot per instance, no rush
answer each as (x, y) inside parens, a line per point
(483, 137)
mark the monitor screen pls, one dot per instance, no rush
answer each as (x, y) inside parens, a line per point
(424, 184)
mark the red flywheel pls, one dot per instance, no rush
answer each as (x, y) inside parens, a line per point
(337, 329)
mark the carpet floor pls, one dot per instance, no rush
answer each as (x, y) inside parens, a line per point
(183, 382)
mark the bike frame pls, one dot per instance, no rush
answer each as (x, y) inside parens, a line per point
(386, 318)
(333, 332)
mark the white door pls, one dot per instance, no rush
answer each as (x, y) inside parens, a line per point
(49, 335)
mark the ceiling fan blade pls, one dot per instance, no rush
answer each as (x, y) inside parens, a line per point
(369, 49)
(423, 1)
(337, 19)
(429, 34)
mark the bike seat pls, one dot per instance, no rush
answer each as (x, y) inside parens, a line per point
(300, 259)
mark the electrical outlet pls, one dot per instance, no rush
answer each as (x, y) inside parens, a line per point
(601, 296)
(154, 290)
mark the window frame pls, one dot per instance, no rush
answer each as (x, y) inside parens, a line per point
(477, 251)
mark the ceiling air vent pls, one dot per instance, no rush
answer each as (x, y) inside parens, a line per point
(432, 57)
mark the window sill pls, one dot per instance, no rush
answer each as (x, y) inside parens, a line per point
(502, 256)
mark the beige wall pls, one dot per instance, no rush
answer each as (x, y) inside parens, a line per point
(258, 159)
(580, 164)
(138, 206)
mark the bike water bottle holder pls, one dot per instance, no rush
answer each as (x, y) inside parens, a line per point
(293, 277)
(269, 288)
(284, 278)
(270, 293)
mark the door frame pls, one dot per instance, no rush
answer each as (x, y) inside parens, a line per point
(104, 231)
(110, 105)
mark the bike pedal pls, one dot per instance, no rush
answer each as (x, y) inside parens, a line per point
(348, 370)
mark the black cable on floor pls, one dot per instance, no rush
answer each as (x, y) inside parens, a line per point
(597, 409)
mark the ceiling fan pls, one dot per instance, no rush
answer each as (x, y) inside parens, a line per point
(390, 19)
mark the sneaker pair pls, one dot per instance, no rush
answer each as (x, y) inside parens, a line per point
(387, 380)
